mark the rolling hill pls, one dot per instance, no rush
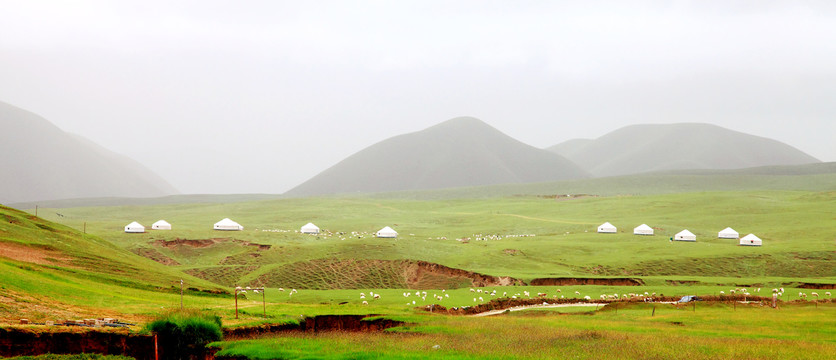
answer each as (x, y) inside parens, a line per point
(459, 152)
(42, 162)
(657, 147)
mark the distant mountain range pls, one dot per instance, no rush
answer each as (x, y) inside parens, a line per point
(645, 148)
(42, 162)
(459, 152)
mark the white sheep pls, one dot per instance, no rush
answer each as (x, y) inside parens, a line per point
(376, 296)
(365, 302)
(827, 293)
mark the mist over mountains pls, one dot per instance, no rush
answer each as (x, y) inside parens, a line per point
(42, 162)
(657, 147)
(459, 152)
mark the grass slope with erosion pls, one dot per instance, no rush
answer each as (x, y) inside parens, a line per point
(486, 237)
(50, 271)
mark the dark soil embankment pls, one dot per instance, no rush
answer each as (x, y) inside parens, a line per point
(357, 323)
(61, 340)
(19, 342)
(586, 281)
(812, 285)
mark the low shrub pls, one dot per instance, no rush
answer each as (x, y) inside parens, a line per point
(183, 334)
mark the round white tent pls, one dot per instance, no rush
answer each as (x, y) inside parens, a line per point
(310, 228)
(134, 227)
(728, 233)
(227, 224)
(643, 229)
(606, 228)
(685, 235)
(751, 240)
(161, 225)
(387, 232)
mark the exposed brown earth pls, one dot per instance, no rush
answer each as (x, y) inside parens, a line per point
(812, 285)
(31, 340)
(155, 255)
(34, 255)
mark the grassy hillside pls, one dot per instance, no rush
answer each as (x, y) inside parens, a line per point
(49, 270)
(523, 237)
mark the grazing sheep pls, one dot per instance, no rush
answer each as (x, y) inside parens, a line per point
(365, 302)
(827, 293)
(587, 297)
(447, 295)
(526, 293)
(577, 292)
(362, 296)
(376, 296)
(722, 292)
(281, 289)
(481, 300)
(472, 290)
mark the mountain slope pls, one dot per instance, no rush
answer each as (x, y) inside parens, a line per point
(42, 162)
(459, 152)
(644, 148)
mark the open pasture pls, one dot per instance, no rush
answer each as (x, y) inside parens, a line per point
(521, 237)
(715, 331)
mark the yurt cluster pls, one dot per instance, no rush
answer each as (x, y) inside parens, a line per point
(685, 235)
(228, 225)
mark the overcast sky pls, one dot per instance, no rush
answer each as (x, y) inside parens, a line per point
(259, 96)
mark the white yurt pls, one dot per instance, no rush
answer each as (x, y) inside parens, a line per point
(387, 232)
(643, 229)
(310, 228)
(134, 227)
(751, 240)
(728, 233)
(606, 228)
(685, 235)
(161, 225)
(227, 224)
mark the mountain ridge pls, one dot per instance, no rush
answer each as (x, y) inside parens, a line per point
(462, 151)
(643, 148)
(48, 163)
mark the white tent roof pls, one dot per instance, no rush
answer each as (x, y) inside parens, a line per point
(134, 227)
(227, 224)
(161, 224)
(606, 228)
(751, 239)
(387, 232)
(728, 233)
(310, 228)
(643, 229)
(685, 235)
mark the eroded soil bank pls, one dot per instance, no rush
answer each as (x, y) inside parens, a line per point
(58, 340)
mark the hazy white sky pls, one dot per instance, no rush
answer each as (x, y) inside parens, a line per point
(259, 96)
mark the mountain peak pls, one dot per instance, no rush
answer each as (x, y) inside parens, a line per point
(459, 152)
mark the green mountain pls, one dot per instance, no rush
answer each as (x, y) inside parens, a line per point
(42, 162)
(644, 148)
(459, 152)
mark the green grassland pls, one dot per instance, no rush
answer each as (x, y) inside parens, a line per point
(645, 331)
(51, 269)
(796, 226)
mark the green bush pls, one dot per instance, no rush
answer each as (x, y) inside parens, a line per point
(184, 333)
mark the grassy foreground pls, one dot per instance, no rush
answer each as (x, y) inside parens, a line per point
(717, 331)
